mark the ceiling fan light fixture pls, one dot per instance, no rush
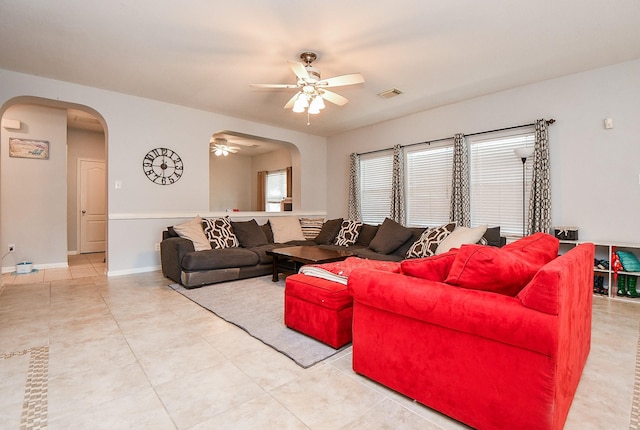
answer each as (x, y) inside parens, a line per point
(316, 104)
(301, 103)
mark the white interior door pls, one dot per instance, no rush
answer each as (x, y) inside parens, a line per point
(93, 206)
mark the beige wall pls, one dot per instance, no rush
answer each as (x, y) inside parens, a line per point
(33, 202)
(230, 183)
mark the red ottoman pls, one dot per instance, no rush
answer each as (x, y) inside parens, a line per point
(318, 308)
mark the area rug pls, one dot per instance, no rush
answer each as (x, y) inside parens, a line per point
(256, 305)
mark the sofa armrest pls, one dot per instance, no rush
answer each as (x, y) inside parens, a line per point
(479, 313)
(172, 250)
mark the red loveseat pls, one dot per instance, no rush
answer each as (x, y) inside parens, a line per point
(489, 360)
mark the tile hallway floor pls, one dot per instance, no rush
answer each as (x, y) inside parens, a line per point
(80, 266)
(129, 352)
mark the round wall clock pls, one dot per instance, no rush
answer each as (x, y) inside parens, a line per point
(162, 166)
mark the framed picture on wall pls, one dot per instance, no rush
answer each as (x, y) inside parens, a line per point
(28, 148)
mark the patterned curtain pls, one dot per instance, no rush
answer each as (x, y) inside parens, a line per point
(397, 186)
(540, 199)
(354, 188)
(460, 197)
(262, 192)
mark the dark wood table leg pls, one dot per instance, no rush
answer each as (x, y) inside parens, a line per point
(274, 276)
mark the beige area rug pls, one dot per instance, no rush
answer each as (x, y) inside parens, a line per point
(256, 305)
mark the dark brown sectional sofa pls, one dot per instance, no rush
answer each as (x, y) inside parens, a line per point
(183, 264)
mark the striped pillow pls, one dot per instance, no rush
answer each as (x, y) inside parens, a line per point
(311, 227)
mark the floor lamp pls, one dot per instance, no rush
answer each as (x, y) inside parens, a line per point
(523, 154)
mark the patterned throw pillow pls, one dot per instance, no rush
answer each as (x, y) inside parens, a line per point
(220, 233)
(428, 242)
(348, 234)
(311, 227)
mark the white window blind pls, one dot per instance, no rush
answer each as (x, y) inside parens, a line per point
(375, 186)
(496, 180)
(276, 190)
(428, 184)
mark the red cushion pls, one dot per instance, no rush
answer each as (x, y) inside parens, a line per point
(434, 268)
(502, 270)
(539, 248)
(479, 267)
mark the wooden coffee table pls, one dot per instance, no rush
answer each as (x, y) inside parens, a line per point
(290, 259)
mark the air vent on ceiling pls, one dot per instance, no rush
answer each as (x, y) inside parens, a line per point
(390, 93)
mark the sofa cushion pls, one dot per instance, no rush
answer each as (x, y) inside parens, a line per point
(266, 227)
(434, 268)
(479, 267)
(416, 232)
(220, 233)
(493, 238)
(461, 236)
(212, 259)
(539, 248)
(328, 232)
(502, 270)
(311, 227)
(428, 242)
(286, 228)
(249, 233)
(390, 236)
(367, 233)
(193, 231)
(348, 234)
(373, 255)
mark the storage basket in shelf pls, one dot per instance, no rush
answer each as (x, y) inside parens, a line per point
(566, 233)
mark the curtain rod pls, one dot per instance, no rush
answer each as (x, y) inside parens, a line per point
(549, 122)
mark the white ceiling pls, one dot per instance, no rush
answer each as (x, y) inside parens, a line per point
(204, 54)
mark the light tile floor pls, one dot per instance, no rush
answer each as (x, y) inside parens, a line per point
(129, 352)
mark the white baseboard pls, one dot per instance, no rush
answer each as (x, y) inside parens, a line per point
(133, 271)
(65, 265)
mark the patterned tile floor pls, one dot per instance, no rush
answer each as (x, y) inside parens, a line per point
(128, 352)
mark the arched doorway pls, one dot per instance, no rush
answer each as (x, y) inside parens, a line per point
(40, 208)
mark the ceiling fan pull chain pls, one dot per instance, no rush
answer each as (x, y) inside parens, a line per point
(308, 120)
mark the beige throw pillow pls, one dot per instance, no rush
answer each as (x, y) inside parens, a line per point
(193, 231)
(286, 228)
(461, 236)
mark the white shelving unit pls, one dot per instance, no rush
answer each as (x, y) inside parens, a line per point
(604, 251)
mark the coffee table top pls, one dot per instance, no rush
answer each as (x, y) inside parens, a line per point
(310, 254)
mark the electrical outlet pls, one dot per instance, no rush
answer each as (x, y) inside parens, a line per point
(12, 247)
(157, 246)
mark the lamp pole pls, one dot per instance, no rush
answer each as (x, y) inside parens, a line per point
(523, 154)
(524, 160)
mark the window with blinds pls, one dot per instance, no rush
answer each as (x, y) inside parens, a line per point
(276, 190)
(496, 180)
(375, 186)
(428, 184)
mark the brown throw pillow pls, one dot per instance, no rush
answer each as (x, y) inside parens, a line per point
(328, 232)
(249, 233)
(390, 236)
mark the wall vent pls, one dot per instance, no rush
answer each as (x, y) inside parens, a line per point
(390, 93)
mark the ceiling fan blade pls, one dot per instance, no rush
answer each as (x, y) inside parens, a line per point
(277, 86)
(292, 101)
(334, 98)
(299, 70)
(338, 81)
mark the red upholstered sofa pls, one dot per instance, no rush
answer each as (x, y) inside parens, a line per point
(490, 360)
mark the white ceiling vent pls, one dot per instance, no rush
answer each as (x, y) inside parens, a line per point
(390, 93)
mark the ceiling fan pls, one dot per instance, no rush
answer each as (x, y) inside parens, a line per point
(220, 146)
(312, 89)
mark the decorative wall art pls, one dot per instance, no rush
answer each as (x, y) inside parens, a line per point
(28, 148)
